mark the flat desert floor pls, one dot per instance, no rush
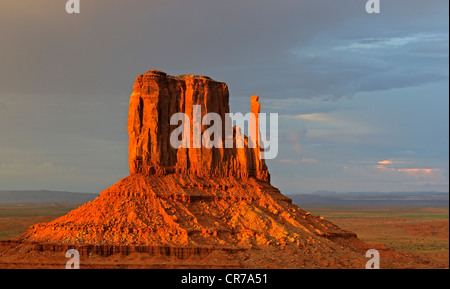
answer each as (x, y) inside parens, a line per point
(414, 231)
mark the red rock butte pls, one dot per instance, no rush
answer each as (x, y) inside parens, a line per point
(156, 98)
(194, 202)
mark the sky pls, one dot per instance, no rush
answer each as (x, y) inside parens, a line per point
(362, 98)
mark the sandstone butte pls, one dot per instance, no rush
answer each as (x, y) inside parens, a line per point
(198, 208)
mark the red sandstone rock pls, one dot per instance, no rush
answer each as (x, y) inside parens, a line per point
(161, 211)
(156, 98)
(192, 200)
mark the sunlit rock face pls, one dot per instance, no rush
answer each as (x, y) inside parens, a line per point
(193, 201)
(156, 98)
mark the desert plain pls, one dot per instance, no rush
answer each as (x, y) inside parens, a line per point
(420, 233)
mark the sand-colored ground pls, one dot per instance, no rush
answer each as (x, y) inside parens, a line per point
(420, 234)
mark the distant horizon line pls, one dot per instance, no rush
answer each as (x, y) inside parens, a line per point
(299, 193)
(375, 192)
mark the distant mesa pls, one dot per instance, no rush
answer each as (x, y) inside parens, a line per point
(42, 196)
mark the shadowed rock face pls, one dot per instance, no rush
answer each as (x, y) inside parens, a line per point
(156, 98)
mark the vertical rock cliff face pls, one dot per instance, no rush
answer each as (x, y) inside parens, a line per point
(156, 98)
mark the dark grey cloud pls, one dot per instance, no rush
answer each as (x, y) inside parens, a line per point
(249, 44)
(65, 80)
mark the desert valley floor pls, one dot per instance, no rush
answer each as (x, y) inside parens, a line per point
(420, 232)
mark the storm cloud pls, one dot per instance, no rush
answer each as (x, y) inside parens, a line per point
(65, 80)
